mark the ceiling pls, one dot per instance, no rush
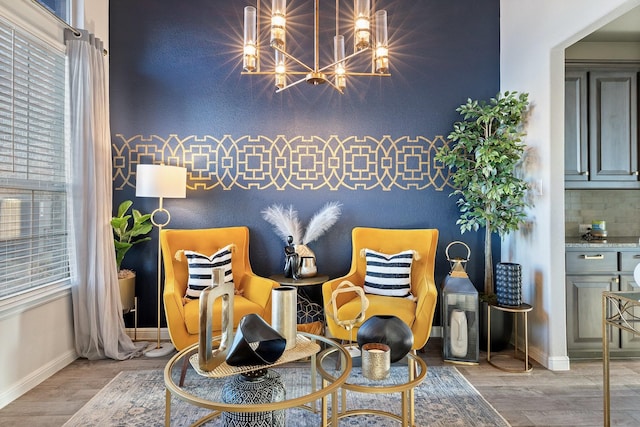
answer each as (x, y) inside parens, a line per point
(624, 29)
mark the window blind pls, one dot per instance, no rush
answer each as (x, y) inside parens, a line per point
(33, 230)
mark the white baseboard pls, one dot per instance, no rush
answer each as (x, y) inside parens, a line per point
(557, 363)
(551, 363)
(36, 377)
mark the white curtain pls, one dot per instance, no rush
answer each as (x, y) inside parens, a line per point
(97, 309)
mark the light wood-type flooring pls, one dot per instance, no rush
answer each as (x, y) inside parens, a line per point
(538, 398)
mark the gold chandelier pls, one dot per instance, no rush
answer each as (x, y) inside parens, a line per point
(335, 73)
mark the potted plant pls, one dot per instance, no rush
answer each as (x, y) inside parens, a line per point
(485, 151)
(126, 234)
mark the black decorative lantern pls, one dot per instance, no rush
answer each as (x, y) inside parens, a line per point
(460, 310)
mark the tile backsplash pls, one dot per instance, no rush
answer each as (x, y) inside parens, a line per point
(619, 208)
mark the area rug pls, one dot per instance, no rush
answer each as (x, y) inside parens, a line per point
(137, 398)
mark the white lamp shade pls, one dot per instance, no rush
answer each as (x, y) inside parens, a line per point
(161, 181)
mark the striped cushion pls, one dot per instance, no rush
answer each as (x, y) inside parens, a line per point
(201, 270)
(388, 275)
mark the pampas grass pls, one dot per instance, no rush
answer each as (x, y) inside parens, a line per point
(285, 222)
(321, 222)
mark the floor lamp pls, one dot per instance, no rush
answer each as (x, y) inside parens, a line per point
(160, 181)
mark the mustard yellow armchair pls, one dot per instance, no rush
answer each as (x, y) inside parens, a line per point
(253, 293)
(417, 314)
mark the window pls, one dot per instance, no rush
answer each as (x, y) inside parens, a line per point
(33, 230)
(60, 8)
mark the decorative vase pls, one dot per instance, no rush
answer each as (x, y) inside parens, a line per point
(307, 267)
(509, 284)
(284, 300)
(247, 390)
(306, 263)
(389, 330)
(458, 336)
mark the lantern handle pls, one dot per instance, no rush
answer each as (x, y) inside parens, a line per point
(459, 243)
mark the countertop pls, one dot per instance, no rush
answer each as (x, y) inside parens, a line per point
(610, 242)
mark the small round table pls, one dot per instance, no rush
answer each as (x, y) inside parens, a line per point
(310, 287)
(524, 310)
(310, 308)
(299, 392)
(404, 383)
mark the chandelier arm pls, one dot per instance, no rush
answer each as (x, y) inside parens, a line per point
(346, 58)
(292, 58)
(291, 85)
(335, 87)
(369, 74)
(304, 80)
(273, 73)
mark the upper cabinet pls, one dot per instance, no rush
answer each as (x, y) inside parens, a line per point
(576, 137)
(613, 121)
(601, 128)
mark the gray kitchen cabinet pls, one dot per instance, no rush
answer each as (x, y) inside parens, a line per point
(613, 121)
(584, 308)
(589, 273)
(576, 136)
(601, 128)
(629, 340)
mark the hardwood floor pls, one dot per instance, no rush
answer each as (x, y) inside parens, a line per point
(539, 398)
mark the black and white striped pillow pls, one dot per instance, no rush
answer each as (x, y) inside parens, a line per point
(388, 275)
(201, 270)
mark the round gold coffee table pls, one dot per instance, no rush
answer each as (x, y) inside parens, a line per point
(405, 383)
(304, 396)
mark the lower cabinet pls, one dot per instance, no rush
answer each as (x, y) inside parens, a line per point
(584, 306)
(629, 340)
(585, 282)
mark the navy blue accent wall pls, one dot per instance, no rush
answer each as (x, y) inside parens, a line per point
(176, 87)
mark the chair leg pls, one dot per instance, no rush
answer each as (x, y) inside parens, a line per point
(183, 373)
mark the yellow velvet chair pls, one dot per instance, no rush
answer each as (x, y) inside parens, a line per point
(418, 314)
(253, 293)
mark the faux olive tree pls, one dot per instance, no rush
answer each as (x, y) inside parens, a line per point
(484, 151)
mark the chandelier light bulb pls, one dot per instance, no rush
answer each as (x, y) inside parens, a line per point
(281, 70)
(338, 58)
(382, 42)
(278, 23)
(362, 31)
(249, 58)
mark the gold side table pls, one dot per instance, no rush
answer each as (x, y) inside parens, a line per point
(310, 287)
(619, 311)
(524, 310)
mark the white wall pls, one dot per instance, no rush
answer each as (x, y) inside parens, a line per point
(534, 35)
(37, 341)
(602, 51)
(37, 330)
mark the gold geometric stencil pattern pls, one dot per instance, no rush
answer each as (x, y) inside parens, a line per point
(303, 163)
